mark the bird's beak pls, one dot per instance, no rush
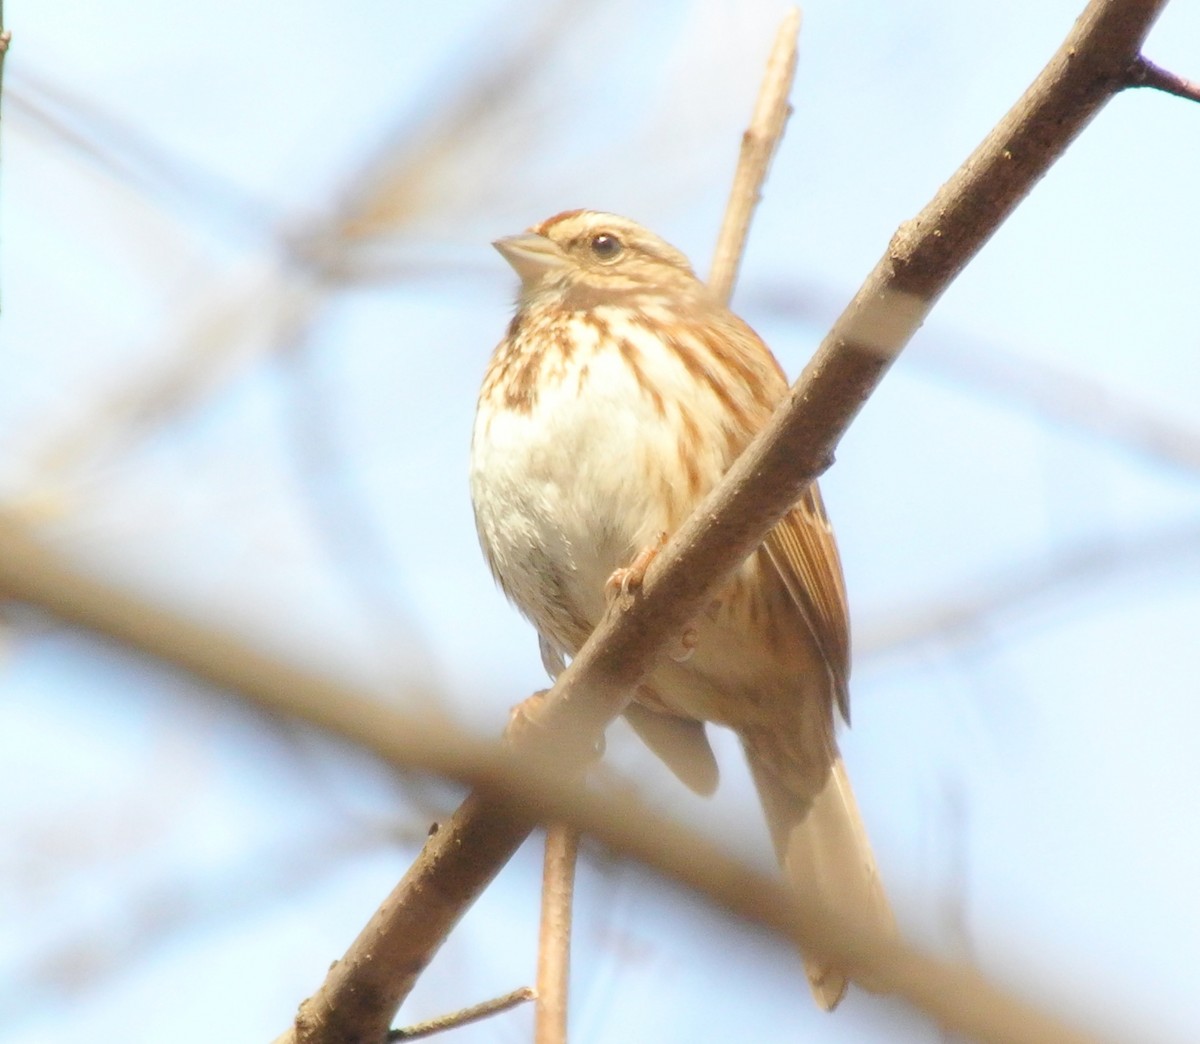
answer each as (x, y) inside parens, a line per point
(531, 255)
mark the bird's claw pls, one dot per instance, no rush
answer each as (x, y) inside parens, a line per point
(627, 579)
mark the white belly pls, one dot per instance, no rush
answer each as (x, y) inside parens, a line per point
(573, 488)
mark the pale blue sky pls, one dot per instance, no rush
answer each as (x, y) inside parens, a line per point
(178, 869)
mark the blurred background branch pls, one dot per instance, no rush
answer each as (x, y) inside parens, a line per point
(242, 344)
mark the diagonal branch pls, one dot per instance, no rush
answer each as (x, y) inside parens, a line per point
(1023, 381)
(958, 997)
(923, 258)
(379, 970)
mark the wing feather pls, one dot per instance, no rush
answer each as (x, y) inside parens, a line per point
(804, 553)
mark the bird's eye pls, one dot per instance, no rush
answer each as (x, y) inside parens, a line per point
(605, 246)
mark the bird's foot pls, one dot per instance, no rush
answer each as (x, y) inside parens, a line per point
(523, 716)
(628, 579)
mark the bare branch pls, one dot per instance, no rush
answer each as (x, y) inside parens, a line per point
(32, 574)
(462, 1018)
(923, 258)
(758, 147)
(554, 944)
(1144, 73)
(514, 791)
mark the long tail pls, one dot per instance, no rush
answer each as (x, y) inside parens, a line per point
(823, 849)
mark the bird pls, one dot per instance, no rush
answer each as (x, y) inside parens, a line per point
(621, 392)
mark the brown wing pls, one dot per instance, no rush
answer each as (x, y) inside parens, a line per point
(804, 552)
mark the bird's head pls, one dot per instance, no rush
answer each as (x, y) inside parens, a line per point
(583, 257)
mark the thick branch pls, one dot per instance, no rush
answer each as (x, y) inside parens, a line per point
(1024, 381)
(32, 574)
(797, 446)
(485, 830)
(924, 257)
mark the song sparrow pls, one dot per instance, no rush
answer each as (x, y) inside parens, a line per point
(621, 393)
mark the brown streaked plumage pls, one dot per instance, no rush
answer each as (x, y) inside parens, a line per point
(621, 393)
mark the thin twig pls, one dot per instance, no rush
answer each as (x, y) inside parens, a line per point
(758, 146)
(462, 1018)
(1144, 73)
(759, 143)
(554, 943)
